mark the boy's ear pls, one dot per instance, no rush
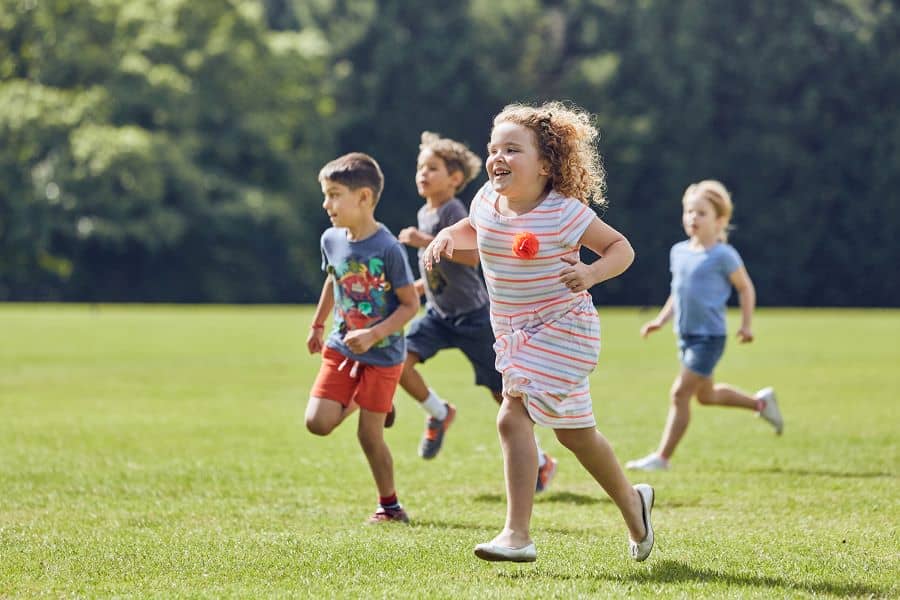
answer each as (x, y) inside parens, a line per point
(367, 195)
(457, 177)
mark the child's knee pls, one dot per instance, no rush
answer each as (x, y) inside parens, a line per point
(706, 397)
(566, 439)
(680, 396)
(507, 422)
(317, 426)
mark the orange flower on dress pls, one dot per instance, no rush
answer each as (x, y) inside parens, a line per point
(525, 245)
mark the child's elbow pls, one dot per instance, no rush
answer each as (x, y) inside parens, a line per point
(627, 254)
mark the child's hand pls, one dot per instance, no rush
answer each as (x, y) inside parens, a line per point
(441, 244)
(360, 340)
(744, 335)
(412, 237)
(576, 276)
(649, 327)
(314, 341)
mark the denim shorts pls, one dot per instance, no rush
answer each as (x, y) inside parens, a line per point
(701, 353)
(470, 332)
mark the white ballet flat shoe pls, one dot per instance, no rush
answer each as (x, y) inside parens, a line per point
(641, 550)
(493, 552)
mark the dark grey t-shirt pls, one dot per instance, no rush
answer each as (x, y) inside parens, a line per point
(451, 289)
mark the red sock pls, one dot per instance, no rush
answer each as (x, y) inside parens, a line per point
(389, 501)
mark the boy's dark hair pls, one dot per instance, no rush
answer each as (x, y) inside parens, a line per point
(355, 170)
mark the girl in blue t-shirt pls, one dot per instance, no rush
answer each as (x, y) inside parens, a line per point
(704, 269)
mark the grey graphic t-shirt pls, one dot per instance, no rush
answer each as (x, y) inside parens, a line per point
(366, 276)
(451, 289)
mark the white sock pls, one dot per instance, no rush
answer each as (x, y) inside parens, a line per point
(542, 458)
(434, 406)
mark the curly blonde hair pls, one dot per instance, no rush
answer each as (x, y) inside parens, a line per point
(456, 156)
(567, 139)
(717, 195)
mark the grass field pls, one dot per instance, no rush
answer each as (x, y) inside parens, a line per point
(159, 451)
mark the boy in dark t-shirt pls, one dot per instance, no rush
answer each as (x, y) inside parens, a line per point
(457, 305)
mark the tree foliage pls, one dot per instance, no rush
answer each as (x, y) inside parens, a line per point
(169, 150)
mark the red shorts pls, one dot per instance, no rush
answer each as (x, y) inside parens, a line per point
(372, 387)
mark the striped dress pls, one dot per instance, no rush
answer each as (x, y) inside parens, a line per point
(548, 339)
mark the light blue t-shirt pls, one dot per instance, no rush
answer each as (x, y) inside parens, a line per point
(366, 274)
(701, 287)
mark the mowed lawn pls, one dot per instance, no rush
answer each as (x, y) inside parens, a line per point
(160, 451)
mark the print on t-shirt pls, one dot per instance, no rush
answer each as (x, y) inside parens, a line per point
(363, 288)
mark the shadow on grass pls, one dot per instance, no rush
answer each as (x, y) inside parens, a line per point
(548, 497)
(491, 530)
(821, 473)
(570, 498)
(673, 571)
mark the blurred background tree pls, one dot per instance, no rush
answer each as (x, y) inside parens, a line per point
(168, 151)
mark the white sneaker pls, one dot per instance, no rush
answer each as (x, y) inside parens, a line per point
(651, 462)
(770, 410)
(641, 550)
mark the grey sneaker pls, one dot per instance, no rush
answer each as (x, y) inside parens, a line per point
(770, 411)
(435, 429)
(545, 473)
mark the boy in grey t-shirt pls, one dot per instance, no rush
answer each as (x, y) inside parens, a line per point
(457, 305)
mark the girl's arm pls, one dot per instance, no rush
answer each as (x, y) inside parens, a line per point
(316, 337)
(411, 236)
(661, 319)
(459, 236)
(615, 253)
(360, 340)
(741, 281)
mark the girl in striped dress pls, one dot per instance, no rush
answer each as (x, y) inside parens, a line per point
(528, 223)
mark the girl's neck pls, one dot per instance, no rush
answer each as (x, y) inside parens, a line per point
(522, 205)
(698, 243)
(362, 230)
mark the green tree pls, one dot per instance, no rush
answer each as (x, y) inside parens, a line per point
(185, 174)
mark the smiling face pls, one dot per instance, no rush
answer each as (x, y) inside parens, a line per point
(433, 180)
(345, 207)
(514, 164)
(700, 220)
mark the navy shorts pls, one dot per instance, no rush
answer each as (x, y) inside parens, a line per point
(470, 332)
(701, 353)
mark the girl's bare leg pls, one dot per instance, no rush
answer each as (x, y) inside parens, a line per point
(683, 389)
(516, 431)
(596, 455)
